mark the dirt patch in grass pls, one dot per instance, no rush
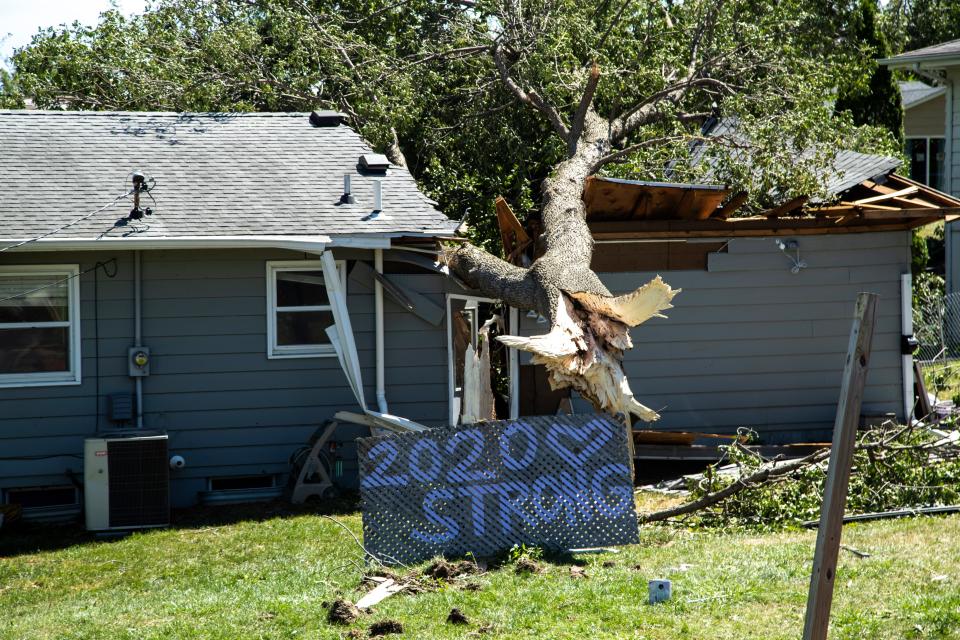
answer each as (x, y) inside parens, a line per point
(457, 617)
(385, 627)
(528, 566)
(443, 570)
(342, 612)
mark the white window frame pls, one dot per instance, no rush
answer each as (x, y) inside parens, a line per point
(70, 273)
(927, 140)
(275, 351)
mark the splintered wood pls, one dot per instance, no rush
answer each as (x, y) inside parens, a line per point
(584, 349)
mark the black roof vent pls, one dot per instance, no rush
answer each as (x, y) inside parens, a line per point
(326, 118)
(374, 163)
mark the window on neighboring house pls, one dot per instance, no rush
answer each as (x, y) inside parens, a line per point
(927, 160)
(39, 325)
(298, 309)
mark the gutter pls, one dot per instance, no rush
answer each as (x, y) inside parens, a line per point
(913, 62)
(313, 243)
(296, 243)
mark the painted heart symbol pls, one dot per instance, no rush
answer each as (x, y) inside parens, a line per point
(586, 440)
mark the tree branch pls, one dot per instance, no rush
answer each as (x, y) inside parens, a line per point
(576, 127)
(646, 112)
(622, 153)
(531, 97)
(764, 474)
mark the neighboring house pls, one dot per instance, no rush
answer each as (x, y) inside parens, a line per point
(939, 66)
(758, 336)
(924, 130)
(226, 284)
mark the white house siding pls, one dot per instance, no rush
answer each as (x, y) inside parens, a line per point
(925, 119)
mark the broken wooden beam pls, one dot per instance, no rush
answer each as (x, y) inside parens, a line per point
(824, 573)
(731, 205)
(787, 207)
(888, 196)
(512, 234)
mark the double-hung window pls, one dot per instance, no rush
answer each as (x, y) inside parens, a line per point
(298, 309)
(39, 325)
(927, 161)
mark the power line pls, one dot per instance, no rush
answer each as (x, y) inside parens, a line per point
(67, 279)
(69, 224)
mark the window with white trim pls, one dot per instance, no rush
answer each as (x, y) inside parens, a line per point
(39, 325)
(927, 160)
(298, 309)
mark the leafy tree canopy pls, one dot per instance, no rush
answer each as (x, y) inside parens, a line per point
(424, 70)
(914, 24)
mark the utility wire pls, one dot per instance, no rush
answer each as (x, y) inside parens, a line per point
(69, 224)
(67, 279)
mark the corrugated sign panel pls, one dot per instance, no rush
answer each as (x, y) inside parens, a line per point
(558, 482)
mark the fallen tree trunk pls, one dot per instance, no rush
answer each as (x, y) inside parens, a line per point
(589, 327)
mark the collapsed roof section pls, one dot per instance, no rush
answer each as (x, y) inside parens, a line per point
(864, 194)
(619, 209)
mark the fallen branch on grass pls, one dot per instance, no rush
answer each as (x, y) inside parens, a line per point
(882, 447)
(767, 473)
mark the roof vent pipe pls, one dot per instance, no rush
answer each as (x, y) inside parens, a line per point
(347, 197)
(377, 196)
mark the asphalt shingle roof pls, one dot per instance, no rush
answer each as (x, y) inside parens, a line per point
(943, 50)
(216, 174)
(849, 168)
(914, 92)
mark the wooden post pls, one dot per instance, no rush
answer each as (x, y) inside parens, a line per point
(838, 475)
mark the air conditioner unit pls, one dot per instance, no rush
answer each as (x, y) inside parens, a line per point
(126, 482)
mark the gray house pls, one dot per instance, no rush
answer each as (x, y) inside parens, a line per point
(234, 281)
(177, 274)
(758, 336)
(939, 66)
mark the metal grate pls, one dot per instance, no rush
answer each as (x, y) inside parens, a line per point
(139, 475)
(557, 482)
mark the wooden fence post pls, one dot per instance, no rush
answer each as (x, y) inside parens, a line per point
(838, 475)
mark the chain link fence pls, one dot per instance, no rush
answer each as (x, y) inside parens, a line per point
(936, 326)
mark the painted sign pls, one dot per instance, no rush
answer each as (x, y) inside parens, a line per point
(558, 482)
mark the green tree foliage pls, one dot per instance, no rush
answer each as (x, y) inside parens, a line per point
(872, 98)
(914, 24)
(423, 69)
(894, 468)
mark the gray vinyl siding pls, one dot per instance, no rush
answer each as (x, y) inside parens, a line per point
(952, 126)
(925, 119)
(228, 409)
(749, 344)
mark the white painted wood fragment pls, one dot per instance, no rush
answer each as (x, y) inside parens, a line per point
(380, 593)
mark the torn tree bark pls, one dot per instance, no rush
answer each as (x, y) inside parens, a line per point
(589, 327)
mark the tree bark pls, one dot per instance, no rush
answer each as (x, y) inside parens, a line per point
(588, 326)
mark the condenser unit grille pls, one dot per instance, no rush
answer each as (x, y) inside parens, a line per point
(139, 482)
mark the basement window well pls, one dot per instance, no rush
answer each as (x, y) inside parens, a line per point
(39, 325)
(298, 309)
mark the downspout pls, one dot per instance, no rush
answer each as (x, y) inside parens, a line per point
(514, 366)
(906, 359)
(378, 313)
(948, 184)
(137, 332)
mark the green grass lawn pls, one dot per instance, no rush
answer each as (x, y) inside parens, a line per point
(269, 578)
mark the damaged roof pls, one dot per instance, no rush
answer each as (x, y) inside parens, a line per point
(848, 169)
(217, 174)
